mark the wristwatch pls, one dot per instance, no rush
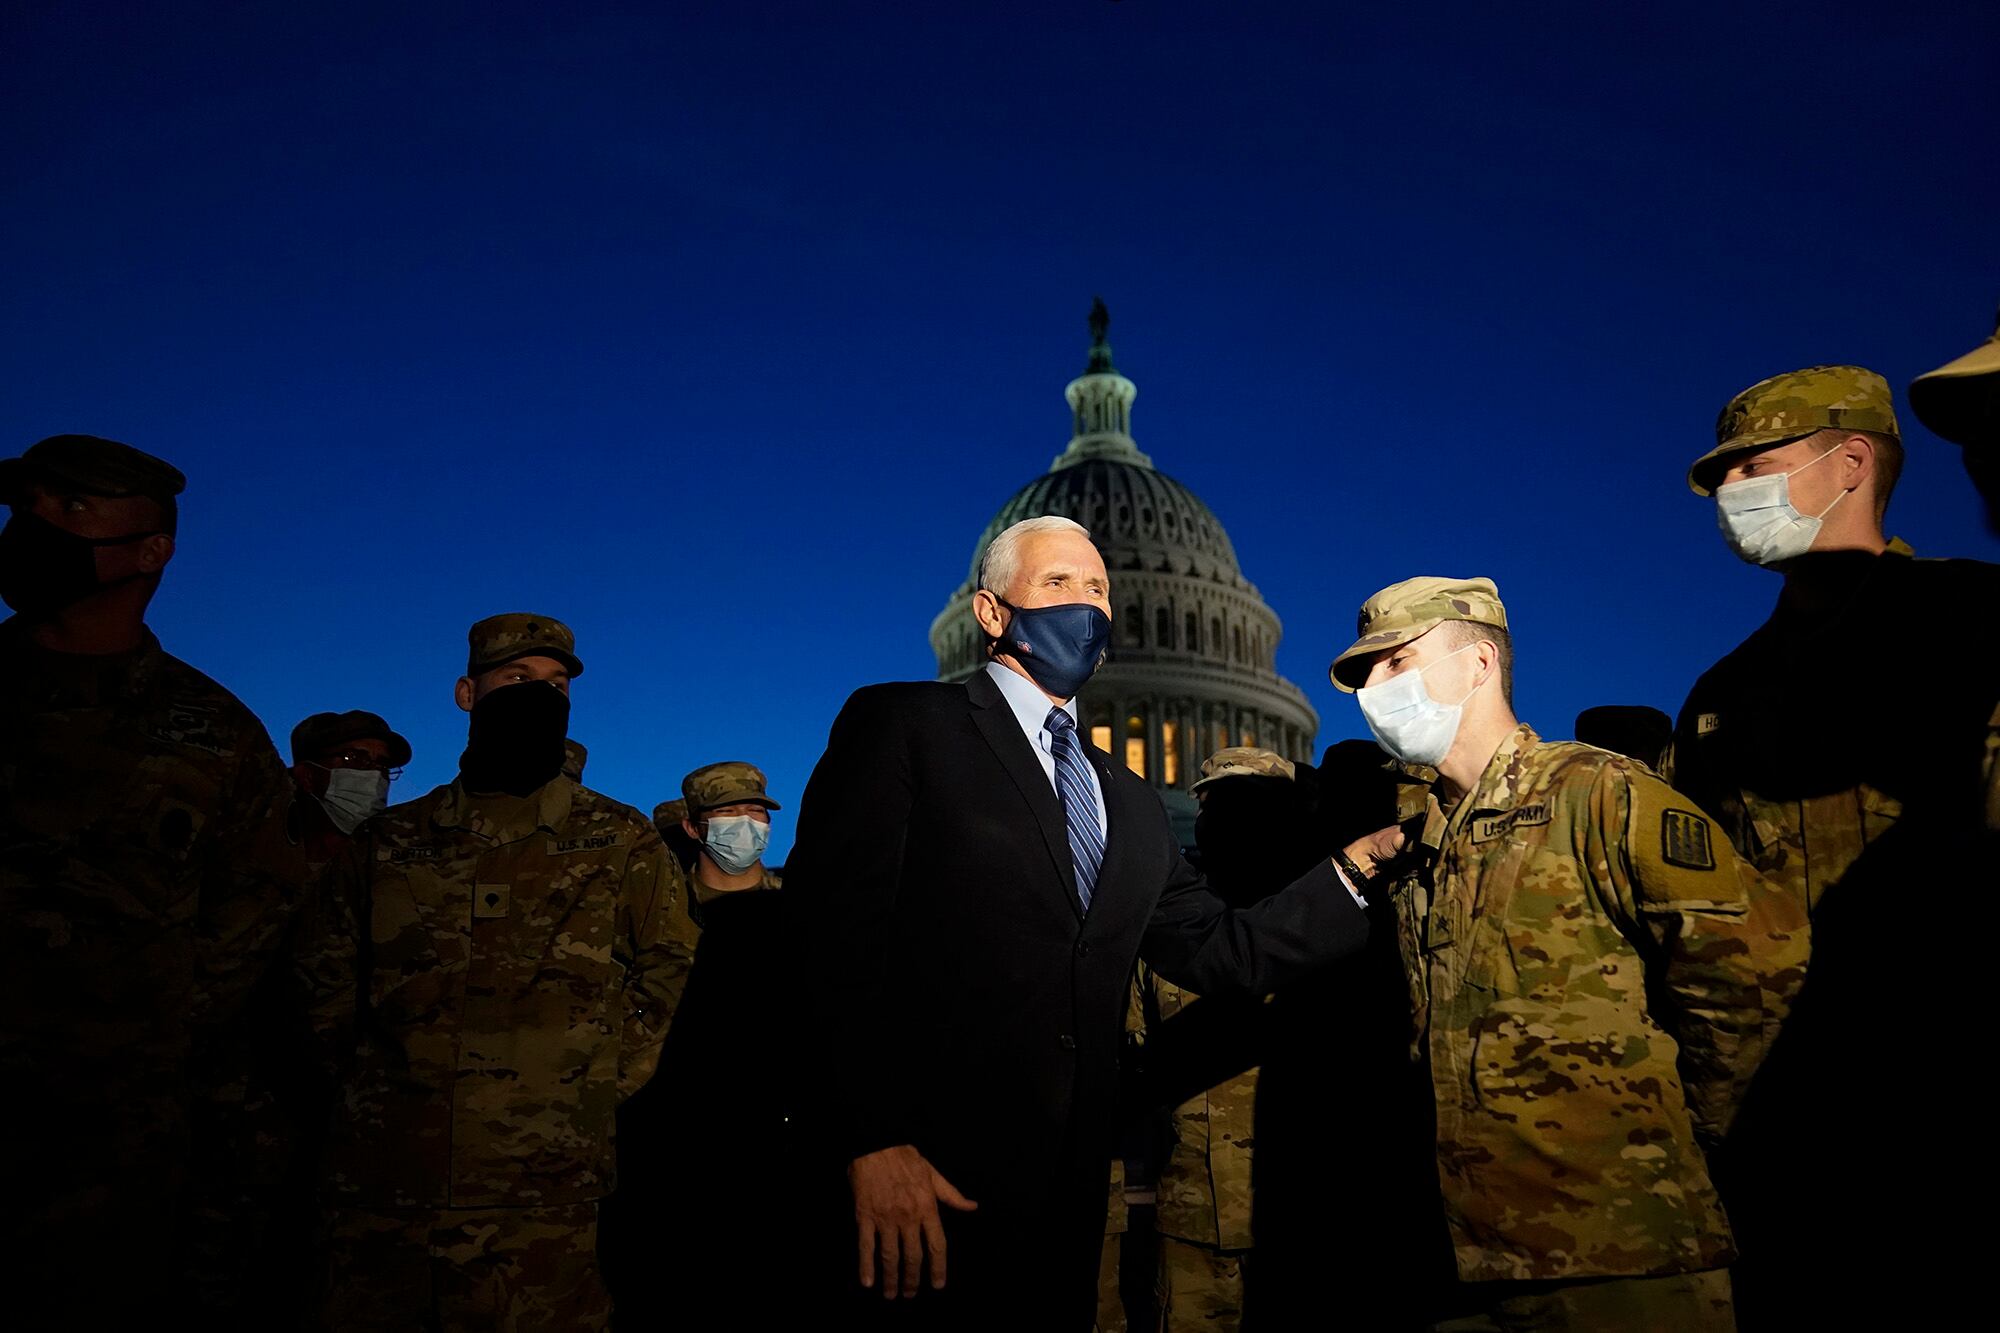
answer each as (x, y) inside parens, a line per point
(1360, 881)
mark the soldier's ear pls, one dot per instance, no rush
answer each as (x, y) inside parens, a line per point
(1488, 655)
(154, 553)
(462, 692)
(1856, 459)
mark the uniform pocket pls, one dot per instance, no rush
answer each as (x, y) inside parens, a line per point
(408, 977)
(1482, 927)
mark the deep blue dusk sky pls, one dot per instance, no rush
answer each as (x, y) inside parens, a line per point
(720, 331)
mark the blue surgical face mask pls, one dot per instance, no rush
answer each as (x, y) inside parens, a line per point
(1759, 521)
(736, 842)
(354, 796)
(1060, 647)
(1409, 723)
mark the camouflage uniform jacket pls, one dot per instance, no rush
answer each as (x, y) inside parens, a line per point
(147, 880)
(1569, 887)
(519, 962)
(1804, 770)
(1992, 766)
(1204, 1189)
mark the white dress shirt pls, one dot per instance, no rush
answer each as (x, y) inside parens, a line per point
(1031, 710)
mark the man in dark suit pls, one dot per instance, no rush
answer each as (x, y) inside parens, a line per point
(973, 885)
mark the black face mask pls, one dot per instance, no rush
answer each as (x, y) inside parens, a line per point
(515, 743)
(45, 569)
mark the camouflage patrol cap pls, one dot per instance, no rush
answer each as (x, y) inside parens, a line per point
(725, 784)
(1960, 400)
(504, 638)
(1792, 406)
(90, 465)
(327, 731)
(669, 814)
(1243, 761)
(1402, 611)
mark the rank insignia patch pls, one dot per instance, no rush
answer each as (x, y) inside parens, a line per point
(1684, 840)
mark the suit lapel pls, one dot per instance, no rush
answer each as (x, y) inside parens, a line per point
(1002, 731)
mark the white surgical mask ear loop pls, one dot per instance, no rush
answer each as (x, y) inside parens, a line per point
(1440, 662)
(1821, 459)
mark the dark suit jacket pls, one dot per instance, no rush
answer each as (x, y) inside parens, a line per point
(961, 999)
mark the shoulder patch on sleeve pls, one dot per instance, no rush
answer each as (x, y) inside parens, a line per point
(1684, 840)
(1704, 723)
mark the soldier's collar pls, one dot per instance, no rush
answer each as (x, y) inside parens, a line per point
(1496, 787)
(81, 680)
(505, 819)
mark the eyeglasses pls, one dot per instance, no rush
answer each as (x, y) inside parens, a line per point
(361, 760)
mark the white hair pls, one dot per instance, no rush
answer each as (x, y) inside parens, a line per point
(1002, 560)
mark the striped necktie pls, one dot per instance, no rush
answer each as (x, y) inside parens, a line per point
(1086, 839)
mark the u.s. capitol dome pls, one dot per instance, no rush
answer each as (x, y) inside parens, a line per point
(1191, 668)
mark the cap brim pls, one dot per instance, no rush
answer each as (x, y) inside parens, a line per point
(1960, 401)
(1367, 646)
(571, 663)
(1233, 774)
(737, 798)
(1710, 461)
(1981, 360)
(399, 750)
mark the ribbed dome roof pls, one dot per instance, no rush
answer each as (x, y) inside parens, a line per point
(1138, 517)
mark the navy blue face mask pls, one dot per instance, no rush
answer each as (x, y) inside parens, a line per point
(1061, 647)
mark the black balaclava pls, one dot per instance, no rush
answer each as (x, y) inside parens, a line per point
(515, 742)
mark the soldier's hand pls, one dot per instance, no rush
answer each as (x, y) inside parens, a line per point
(896, 1194)
(1378, 849)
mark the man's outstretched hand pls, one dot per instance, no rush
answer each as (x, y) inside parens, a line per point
(1379, 850)
(896, 1194)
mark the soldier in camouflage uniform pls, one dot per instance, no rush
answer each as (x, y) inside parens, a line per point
(728, 818)
(522, 944)
(147, 878)
(706, 1149)
(1854, 783)
(575, 756)
(668, 818)
(1593, 976)
(267, 1084)
(1960, 400)
(1254, 832)
(343, 763)
(1203, 1190)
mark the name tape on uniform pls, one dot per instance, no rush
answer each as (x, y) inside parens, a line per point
(588, 842)
(1491, 827)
